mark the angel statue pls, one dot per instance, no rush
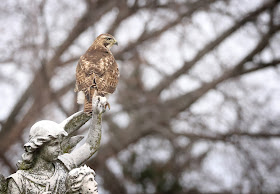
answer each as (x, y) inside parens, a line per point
(48, 155)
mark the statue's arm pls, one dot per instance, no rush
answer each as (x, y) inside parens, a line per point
(74, 122)
(12, 187)
(92, 143)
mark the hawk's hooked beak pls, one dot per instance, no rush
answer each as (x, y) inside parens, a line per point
(116, 43)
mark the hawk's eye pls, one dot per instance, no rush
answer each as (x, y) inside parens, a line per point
(109, 38)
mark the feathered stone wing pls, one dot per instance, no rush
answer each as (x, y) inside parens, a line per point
(97, 73)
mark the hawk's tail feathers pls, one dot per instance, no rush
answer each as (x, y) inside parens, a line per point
(81, 97)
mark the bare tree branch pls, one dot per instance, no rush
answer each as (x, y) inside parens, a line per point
(184, 101)
(210, 46)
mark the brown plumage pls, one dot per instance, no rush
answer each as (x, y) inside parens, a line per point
(97, 71)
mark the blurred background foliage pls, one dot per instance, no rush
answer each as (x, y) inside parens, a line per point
(197, 107)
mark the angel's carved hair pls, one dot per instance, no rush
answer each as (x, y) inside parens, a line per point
(30, 150)
(75, 178)
(41, 133)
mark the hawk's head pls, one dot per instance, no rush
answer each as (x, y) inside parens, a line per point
(106, 40)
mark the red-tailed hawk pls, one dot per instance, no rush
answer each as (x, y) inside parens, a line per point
(97, 72)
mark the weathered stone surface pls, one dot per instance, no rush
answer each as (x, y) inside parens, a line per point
(48, 156)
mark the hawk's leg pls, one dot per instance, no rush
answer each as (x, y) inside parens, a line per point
(88, 101)
(88, 107)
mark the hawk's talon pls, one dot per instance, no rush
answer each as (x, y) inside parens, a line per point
(88, 113)
(107, 105)
(99, 104)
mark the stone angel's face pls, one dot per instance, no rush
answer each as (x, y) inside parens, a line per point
(89, 185)
(51, 150)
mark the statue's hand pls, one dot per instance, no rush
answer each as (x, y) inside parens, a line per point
(99, 104)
